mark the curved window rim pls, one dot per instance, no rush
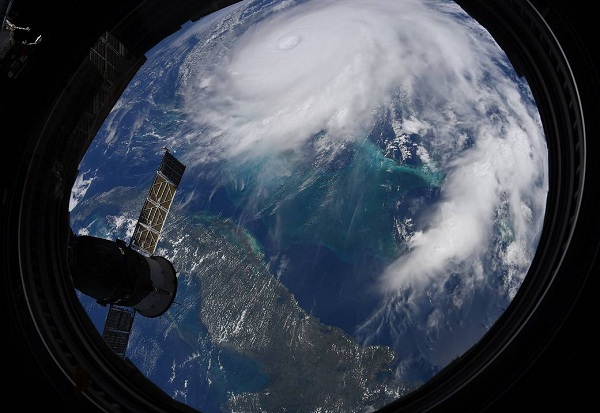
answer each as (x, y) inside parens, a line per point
(563, 263)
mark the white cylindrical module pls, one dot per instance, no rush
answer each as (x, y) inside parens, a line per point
(164, 280)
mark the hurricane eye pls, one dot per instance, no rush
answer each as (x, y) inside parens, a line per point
(288, 41)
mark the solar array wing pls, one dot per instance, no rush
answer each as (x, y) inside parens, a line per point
(157, 204)
(117, 328)
(119, 320)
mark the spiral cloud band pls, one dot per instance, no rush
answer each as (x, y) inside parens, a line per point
(336, 67)
(330, 65)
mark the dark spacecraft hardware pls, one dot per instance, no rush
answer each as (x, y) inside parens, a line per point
(130, 278)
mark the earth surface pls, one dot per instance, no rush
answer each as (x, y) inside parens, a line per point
(364, 191)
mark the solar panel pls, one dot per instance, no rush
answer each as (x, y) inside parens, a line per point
(172, 169)
(156, 207)
(117, 328)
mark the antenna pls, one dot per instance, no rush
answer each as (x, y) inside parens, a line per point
(130, 278)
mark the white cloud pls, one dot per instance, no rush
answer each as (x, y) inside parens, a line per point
(79, 189)
(329, 65)
(332, 66)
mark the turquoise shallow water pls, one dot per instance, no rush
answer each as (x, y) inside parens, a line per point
(327, 224)
(348, 203)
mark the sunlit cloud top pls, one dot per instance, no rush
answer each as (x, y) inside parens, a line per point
(334, 66)
(331, 65)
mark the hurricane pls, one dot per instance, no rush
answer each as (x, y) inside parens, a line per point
(335, 68)
(371, 174)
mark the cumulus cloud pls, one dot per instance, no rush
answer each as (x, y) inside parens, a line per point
(501, 167)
